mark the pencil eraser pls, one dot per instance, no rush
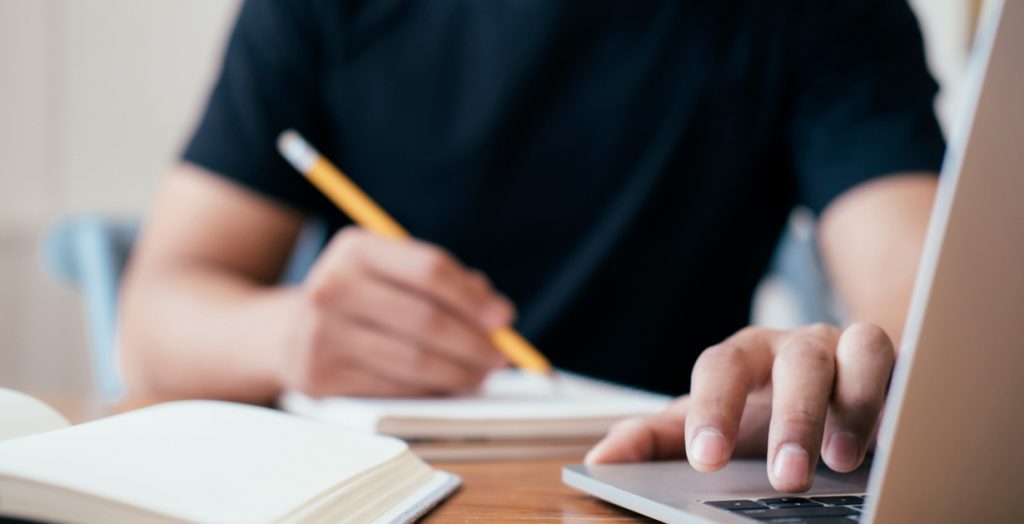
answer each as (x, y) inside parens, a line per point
(296, 150)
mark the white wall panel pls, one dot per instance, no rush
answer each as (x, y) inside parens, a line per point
(30, 47)
(138, 73)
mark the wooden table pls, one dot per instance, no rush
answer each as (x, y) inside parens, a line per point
(494, 491)
(510, 491)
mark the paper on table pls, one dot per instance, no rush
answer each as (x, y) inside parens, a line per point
(509, 401)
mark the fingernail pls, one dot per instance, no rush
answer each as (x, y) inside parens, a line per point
(708, 447)
(791, 464)
(843, 450)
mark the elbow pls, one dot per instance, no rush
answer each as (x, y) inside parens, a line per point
(135, 350)
(145, 368)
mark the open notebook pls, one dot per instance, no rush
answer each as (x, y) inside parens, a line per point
(205, 461)
(515, 415)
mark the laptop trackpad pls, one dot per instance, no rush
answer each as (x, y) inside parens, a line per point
(670, 490)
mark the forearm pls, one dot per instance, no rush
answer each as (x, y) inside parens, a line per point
(871, 240)
(203, 332)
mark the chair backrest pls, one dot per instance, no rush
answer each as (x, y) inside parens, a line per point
(90, 253)
(797, 265)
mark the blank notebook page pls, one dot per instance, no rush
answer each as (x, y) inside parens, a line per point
(202, 461)
(506, 395)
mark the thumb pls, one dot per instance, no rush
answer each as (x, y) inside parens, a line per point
(654, 437)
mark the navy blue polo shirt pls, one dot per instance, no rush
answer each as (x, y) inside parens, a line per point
(620, 169)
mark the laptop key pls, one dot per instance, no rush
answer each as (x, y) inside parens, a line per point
(806, 512)
(839, 501)
(734, 505)
(797, 520)
(788, 502)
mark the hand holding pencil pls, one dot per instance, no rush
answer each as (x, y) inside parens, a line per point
(365, 212)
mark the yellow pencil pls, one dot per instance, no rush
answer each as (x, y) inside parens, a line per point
(364, 211)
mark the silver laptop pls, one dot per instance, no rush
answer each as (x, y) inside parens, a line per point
(951, 443)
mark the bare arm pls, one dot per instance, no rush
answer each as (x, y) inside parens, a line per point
(870, 239)
(199, 315)
(202, 315)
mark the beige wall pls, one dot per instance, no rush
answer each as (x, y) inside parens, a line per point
(946, 25)
(96, 98)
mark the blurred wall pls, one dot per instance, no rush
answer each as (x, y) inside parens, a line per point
(96, 99)
(948, 29)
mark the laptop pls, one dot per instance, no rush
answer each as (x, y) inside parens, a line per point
(951, 442)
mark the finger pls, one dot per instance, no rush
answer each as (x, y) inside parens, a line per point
(802, 380)
(654, 437)
(722, 378)
(752, 440)
(399, 360)
(864, 362)
(421, 321)
(433, 272)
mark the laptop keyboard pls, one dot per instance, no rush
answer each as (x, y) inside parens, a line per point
(795, 510)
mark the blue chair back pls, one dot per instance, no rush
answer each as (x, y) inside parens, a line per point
(797, 264)
(90, 252)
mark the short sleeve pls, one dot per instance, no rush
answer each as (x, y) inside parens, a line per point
(267, 84)
(864, 98)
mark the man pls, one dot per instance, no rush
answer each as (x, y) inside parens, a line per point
(621, 172)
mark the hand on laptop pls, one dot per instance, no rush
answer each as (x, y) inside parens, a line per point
(386, 318)
(790, 394)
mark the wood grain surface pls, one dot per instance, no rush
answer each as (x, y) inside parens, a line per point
(517, 491)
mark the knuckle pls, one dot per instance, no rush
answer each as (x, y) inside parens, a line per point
(346, 241)
(714, 409)
(798, 417)
(494, 313)
(327, 283)
(722, 358)
(320, 294)
(724, 354)
(479, 281)
(433, 265)
(820, 330)
(810, 352)
(316, 293)
(749, 331)
(869, 339)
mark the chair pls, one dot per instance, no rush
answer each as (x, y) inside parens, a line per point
(90, 252)
(797, 265)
